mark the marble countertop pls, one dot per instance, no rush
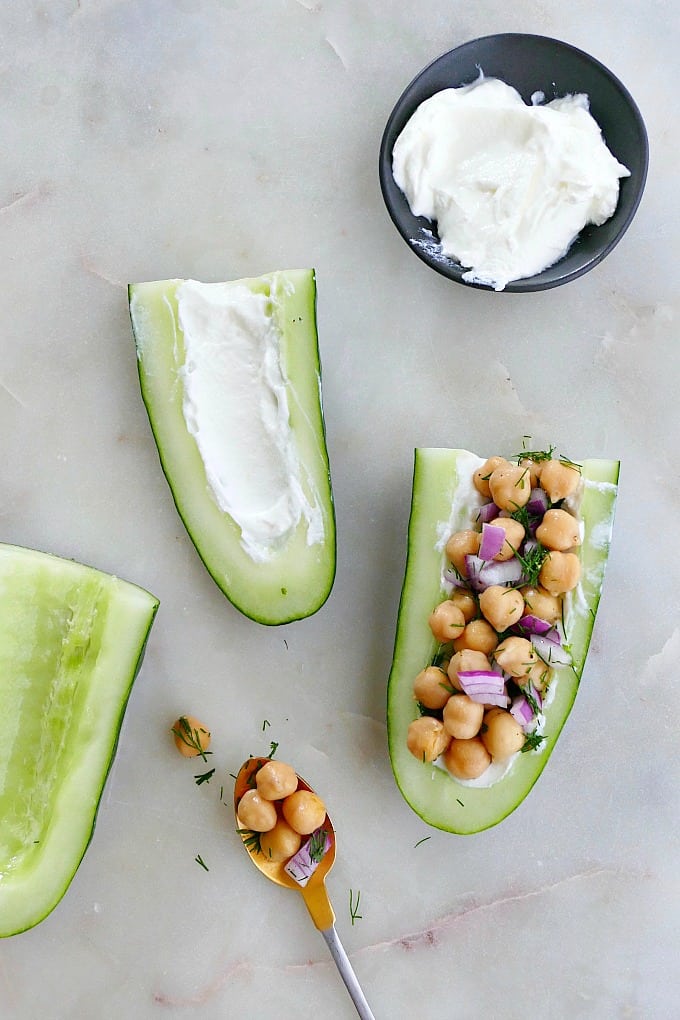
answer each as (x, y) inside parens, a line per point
(225, 138)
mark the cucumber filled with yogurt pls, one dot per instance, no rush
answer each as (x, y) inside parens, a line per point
(231, 380)
(71, 643)
(497, 609)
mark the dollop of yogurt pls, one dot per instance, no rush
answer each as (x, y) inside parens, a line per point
(509, 185)
(235, 405)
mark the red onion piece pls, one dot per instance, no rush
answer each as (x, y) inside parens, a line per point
(538, 502)
(530, 624)
(551, 652)
(488, 512)
(501, 700)
(493, 538)
(482, 574)
(521, 711)
(484, 686)
(453, 578)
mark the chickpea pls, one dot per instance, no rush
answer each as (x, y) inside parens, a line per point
(460, 545)
(426, 738)
(276, 780)
(560, 572)
(558, 530)
(501, 606)
(304, 811)
(430, 687)
(191, 736)
(466, 602)
(514, 536)
(462, 717)
(534, 468)
(539, 675)
(541, 603)
(467, 759)
(502, 735)
(280, 843)
(466, 660)
(480, 478)
(510, 487)
(559, 479)
(516, 656)
(256, 813)
(446, 622)
(479, 636)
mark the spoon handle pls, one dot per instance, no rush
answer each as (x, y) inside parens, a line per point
(347, 973)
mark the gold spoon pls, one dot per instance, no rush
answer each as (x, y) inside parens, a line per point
(313, 893)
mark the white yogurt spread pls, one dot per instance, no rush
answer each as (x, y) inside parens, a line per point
(235, 405)
(509, 185)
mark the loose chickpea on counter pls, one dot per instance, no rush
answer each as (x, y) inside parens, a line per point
(191, 737)
(482, 695)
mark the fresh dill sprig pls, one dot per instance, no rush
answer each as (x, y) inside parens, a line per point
(273, 747)
(536, 455)
(251, 840)
(522, 515)
(190, 736)
(532, 742)
(204, 777)
(423, 840)
(531, 563)
(265, 723)
(199, 860)
(354, 906)
(317, 845)
(570, 463)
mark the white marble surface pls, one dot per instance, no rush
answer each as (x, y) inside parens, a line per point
(222, 138)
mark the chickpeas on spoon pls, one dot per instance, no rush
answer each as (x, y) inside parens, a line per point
(285, 828)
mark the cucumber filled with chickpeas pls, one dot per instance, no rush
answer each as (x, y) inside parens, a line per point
(506, 559)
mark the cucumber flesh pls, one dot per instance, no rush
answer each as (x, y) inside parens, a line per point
(297, 578)
(71, 642)
(439, 477)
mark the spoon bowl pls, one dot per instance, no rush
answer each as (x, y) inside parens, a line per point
(314, 893)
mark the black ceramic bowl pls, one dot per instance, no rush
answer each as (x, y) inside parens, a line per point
(530, 63)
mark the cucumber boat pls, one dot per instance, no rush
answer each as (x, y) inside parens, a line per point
(443, 502)
(71, 642)
(231, 379)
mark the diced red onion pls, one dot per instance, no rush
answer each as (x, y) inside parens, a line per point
(521, 711)
(550, 651)
(453, 578)
(538, 502)
(529, 546)
(303, 864)
(484, 686)
(482, 574)
(487, 512)
(501, 700)
(530, 624)
(493, 538)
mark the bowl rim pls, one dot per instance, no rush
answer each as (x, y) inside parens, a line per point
(447, 266)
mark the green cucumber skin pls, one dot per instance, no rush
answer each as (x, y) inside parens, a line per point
(428, 790)
(297, 583)
(39, 891)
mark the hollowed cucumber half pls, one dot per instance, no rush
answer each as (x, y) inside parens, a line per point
(440, 504)
(295, 577)
(71, 643)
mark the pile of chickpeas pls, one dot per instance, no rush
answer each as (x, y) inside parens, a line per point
(466, 734)
(280, 811)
